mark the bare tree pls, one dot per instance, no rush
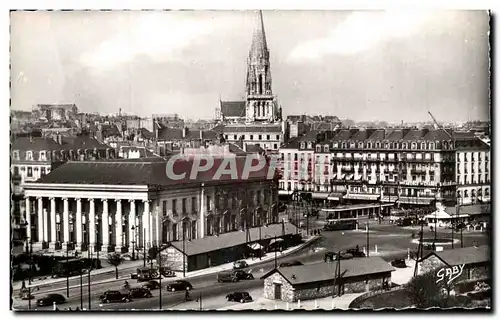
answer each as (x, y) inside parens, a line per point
(115, 259)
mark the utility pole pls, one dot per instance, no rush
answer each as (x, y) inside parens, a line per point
(461, 227)
(159, 271)
(67, 271)
(275, 255)
(144, 246)
(183, 253)
(30, 257)
(201, 298)
(90, 268)
(367, 236)
(420, 248)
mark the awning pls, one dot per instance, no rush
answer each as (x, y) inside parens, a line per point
(275, 240)
(319, 195)
(361, 196)
(255, 246)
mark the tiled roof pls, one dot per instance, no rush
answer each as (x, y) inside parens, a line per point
(362, 134)
(395, 135)
(231, 239)
(292, 143)
(175, 134)
(436, 135)
(415, 134)
(310, 136)
(253, 128)
(233, 108)
(378, 135)
(469, 255)
(39, 144)
(344, 134)
(324, 271)
(144, 173)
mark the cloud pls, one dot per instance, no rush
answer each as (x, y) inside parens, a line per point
(160, 36)
(359, 32)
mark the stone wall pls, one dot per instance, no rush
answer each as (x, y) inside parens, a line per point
(430, 264)
(316, 290)
(470, 272)
(287, 291)
(174, 258)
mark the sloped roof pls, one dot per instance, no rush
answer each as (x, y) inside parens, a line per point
(378, 135)
(415, 134)
(231, 239)
(253, 128)
(233, 108)
(395, 135)
(68, 142)
(175, 134)
(146, 172)
(362, 134)
(324, 271)
(436, 135)
(292, 143)
(344, 134)
(469, 255)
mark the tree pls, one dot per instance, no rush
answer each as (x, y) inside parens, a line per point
(424, 292)
(115, 259)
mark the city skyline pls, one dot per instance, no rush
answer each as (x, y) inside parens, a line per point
(358, 65)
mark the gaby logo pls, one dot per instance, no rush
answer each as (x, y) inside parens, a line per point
(449, 273)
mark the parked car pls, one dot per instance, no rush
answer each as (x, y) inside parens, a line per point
(404, 222)
(356, 253)
(290, 264)
(332, 256)
(239, 297)
(240, 264)
(312, 213)
(227, 277)
(140, 293)
(399, 263)
(179, 285)
(25, 295)
(152, 285)
(49, 300)
(114, 296)
(243, 275)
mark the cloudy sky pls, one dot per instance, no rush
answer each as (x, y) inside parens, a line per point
(364, 65)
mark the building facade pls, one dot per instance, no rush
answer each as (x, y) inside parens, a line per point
(118, 205)
(55, 112)
(410, 166)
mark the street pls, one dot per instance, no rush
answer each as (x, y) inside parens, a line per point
(391, 240)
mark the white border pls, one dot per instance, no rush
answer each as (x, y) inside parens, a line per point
(187, 4)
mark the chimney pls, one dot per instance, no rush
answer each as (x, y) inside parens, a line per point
(184, 132)
(201, 134)
(244, 146)
(59, 138)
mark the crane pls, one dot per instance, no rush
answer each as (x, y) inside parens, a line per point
(440, 126)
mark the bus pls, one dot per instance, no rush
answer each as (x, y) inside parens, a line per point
(69, 267)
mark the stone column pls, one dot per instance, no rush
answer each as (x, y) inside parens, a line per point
(105, 226)
(131, 223)
(66, 224)
(53, 237)
(202, 211)
(28, 218)
(157, 223)
(78, 223)
(45, 226)
(40, 219)
(92, 220)
(118, 226)
(145, 223)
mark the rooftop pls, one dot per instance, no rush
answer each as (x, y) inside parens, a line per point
(469, 255)
(232, 239)
(323, 271)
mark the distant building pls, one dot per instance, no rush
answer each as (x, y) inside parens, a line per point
(55, 112)
(266, 136)
(170, 139)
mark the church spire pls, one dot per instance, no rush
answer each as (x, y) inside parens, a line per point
(259, 43)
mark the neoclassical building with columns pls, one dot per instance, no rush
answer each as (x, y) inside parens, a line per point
(117, 205)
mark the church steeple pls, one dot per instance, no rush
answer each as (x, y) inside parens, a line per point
(260, 99)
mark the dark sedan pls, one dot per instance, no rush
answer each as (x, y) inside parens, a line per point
(243, 275)
(332, 256)
(239, 297)
(151, 285)
(49, 300)
(114, 296)
(179, 285)
(140, 293)
(356, 253)
(290, 264)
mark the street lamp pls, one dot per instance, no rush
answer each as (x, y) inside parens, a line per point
(29, 251)
(133, 243)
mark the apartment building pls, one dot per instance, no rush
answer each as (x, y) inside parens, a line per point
(408, 165)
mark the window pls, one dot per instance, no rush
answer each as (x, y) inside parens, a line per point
(277, 137)
(42, 171)
(184, 205)
(466, 194)
(209, 206)
(268, 137)
(360, 144)
(326, 148)
(487, 192)
(343, 145)
(414, 178)
(164, 208)
(275, 146)
(226, 137)
(295, 157)
(15, 155)
(258, 197)
(302, 145)
(431, 177)
(30, 172)
(16, 171)
(251, 137)
(174, 206)
(318, 148)
(235, 137)
(29, 155)
(260, 137)
(174, 232)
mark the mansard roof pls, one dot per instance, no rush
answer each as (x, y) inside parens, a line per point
(233, 108)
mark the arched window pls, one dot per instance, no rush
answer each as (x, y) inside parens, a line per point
(377, 145)
(459, 194)
(431, 145)
(413, 146)
(343, 145)
(473, 193)
(487, 191)
(360, 144)
(466, 194)
(260, 84)
(369, 145)
(403, 145)
(445, 145)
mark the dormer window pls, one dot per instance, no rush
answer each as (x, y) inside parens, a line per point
(29, 155)
(431, 145)
(360, 144)
(445, 145)
(326, 148)
(42, 156)
(369, 145)
(309, 145)
(413, 146)
(377, 145)
(302, 145)
(318, 148)
(403, 146)
(343, 145)
(15, 154)
(386, 146)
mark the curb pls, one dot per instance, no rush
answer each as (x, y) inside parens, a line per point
(122, 278)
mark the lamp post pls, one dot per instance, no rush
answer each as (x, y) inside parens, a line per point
(144, 246)
(81, 268)
(90, 268)
(159, 272)
(29, 251)
(461, 227)
(67, 271)
(133, 243)
(183, 252)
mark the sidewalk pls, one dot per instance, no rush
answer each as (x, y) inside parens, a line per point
(326, 303)
(138, 263)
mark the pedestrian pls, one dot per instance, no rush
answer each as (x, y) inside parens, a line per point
(186, 296)
(23, 285)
